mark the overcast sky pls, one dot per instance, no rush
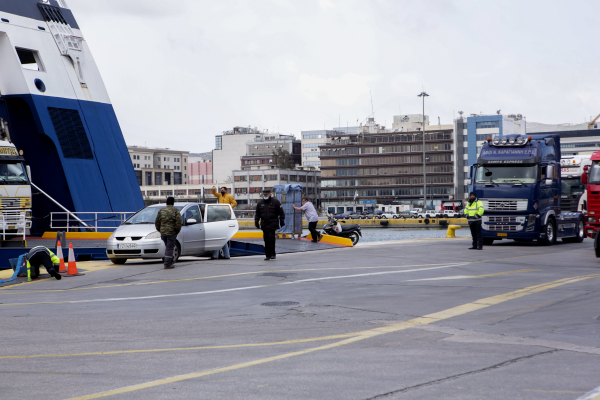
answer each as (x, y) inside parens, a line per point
(180, 72)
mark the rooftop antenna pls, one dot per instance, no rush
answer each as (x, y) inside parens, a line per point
(498, 112)
(372, 111)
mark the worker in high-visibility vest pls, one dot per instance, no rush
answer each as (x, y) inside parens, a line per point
(41, 256)
(474, 212)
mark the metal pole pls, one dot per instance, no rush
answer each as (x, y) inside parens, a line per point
(60, 205)
(423, 95)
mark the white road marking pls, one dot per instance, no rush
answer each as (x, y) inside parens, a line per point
(237, 289)
(593, 395)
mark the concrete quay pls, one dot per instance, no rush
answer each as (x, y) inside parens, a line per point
(380, 223)
(413, 319)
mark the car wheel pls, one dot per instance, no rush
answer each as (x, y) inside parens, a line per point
(383, 217)
(118, 261)
(176, 253)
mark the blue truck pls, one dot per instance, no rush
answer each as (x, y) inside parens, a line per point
(518, 180)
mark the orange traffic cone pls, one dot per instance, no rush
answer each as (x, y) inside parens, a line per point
(72, 264)
(59, 252)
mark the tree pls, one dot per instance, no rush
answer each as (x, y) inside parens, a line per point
(283, 159)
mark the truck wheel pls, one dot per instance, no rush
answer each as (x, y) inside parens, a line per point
(580, 233)
(488, 241)
(118, 261)
(550, 230)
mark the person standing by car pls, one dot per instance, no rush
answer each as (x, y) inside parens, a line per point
(312, 217)
(224, 198)
(474, 211)
(269, 217)
(168, 223)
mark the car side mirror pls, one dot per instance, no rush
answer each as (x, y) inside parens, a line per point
(191, 221)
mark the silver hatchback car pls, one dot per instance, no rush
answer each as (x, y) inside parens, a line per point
(205, 228)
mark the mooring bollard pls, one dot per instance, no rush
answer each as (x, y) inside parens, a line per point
(451, 230)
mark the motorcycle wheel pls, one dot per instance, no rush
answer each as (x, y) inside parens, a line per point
(354, 237)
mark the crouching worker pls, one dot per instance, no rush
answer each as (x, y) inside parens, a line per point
(42, 257)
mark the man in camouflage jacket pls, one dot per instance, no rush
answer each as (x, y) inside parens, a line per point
(168, 223)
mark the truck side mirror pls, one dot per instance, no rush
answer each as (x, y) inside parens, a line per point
(28, 169)
(549, 174)
(584, 178)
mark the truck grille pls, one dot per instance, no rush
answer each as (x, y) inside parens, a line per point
(504, 204)
(504, 228)
(15, 202)
(502, 219)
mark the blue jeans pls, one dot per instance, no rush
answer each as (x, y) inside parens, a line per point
(225, 249)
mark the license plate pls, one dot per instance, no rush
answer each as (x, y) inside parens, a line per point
(12, 227)
(127, 246)
(503, 234)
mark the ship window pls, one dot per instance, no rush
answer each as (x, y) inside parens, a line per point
(71, 133)
(30, 59)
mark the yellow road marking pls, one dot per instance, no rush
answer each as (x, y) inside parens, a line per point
(473, 276)
(232, 346)
(362, 335)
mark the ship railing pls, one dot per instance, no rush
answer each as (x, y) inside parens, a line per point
(13, 221)
(88, 221)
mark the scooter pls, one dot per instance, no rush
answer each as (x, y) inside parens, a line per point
(335, 228)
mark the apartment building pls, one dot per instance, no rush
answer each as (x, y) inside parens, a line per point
(159, 166)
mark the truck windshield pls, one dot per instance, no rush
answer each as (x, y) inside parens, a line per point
(594, 176)
(13, 173)
(571, 186)
(525, 173)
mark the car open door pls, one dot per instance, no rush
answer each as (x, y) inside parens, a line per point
(193, 232)
(220, 226)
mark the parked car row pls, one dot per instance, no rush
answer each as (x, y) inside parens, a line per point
(414, 213)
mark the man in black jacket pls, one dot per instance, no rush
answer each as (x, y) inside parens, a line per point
(269, 217)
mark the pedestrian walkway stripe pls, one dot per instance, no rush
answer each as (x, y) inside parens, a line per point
(359, 336)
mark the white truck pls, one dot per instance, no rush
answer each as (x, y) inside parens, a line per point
(573, 196)
(15, 188)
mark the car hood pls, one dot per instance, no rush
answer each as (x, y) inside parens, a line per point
(135, 230)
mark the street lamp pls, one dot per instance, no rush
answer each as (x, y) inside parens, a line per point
(423, 95)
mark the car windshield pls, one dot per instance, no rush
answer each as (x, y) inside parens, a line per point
(146, 216)
(13, 173)
(526, 173)
(594, 176)
(571, 186)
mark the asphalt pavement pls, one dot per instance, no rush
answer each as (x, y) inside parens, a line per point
(412, 319)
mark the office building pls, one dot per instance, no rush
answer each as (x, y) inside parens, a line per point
(259, 151)
(200, 171)
(386, 167)
(231, 146)
(159, 166)
(248, 184)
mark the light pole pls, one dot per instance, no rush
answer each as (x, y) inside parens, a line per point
(423, 95)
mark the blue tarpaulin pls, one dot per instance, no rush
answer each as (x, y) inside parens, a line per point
(290, 195)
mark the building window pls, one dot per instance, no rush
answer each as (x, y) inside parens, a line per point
(138, 176)
(167, 178)
(218, 143)
(158, 178)
(177, 178)
(487, 124)
(148, 178)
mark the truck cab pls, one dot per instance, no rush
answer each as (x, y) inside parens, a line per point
(591, 178)
(573, 197)
(518, 180)
(15, 192)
